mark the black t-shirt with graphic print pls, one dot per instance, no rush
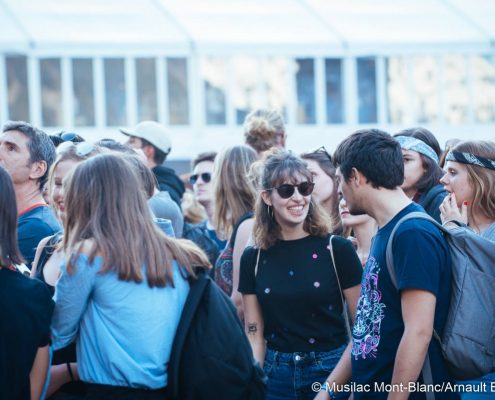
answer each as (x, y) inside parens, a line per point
(298, 291)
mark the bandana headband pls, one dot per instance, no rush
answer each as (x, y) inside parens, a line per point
(468, 158)
(410, 143)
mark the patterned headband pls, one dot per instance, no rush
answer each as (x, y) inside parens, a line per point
(468, 158)
(410, 143)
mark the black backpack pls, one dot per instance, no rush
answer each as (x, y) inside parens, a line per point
(198, 233)
(211, 356)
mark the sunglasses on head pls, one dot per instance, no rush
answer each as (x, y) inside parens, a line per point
(205, 177)
(323, 150)
(287, 190)
(81, 149)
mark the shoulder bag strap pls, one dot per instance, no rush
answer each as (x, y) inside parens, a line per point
(344, 306)
(257, 261)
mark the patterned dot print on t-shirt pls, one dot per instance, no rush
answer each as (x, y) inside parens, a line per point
(304, 296)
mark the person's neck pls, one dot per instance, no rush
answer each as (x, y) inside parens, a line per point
(209, 212)
(293, 233)
(151, 164)
(327, 206)
(410, 193)
(479, 221)
(385, 204)
(363, 234)
(27, 195)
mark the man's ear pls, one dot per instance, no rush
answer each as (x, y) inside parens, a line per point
(38, 169)
(265, 195)
(149, 152)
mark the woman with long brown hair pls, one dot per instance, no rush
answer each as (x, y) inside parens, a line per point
(235, 195)
(292, 290)
(123, 285)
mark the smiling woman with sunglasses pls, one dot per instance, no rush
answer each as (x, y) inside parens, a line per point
(291, 289)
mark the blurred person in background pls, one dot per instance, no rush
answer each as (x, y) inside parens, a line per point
(325, 192)
(235, 195)
(359, 229)
(27, 153)
(25, 312)
(122, 290)
(421, 152)
(154, 140)
(264, 129)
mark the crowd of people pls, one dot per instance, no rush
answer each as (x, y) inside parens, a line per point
(99, 243)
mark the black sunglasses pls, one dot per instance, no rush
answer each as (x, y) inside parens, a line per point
(205, 177)
(287, 190)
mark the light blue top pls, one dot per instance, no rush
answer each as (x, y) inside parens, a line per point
(124, 330)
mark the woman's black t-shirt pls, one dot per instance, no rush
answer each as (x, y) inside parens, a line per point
(25, 313)
(298, 292)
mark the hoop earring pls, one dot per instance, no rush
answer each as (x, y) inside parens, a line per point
(270, 212)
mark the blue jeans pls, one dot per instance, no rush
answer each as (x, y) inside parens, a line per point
(290, 375)
(484, 395)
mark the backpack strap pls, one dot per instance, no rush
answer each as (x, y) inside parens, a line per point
(342, 298)
(389, 255)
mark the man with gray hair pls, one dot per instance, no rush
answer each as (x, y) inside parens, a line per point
(26, 153)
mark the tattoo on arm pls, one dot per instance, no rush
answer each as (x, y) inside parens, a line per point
(252, 328)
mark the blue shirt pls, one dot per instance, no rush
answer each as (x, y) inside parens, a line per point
(422, 261)
(33, 226)
(124, 330)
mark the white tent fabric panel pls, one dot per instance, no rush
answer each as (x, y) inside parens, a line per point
(399, 24)
(96, 23)
(12, 38)
(257, 25)
(480, 13)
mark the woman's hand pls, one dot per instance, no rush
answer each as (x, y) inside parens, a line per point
(450, 212)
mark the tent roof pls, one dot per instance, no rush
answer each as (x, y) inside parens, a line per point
(249, 27)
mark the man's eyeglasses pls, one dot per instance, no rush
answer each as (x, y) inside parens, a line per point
(205, 177)
(81, 149)
(287, 190)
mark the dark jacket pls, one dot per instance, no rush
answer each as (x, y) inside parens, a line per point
(431, 201)
(170, 182)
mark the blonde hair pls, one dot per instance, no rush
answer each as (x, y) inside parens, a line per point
(102, 201)
(193, 211)
(482, 179)
(262, 129)
(69, 155)
(234, 191)
(281, 166)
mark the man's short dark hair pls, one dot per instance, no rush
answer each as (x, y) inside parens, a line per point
(201, 157)
(375, 154)
(160, 156)
(40, 145)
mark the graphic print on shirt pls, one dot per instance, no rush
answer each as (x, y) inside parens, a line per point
(369, 314)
